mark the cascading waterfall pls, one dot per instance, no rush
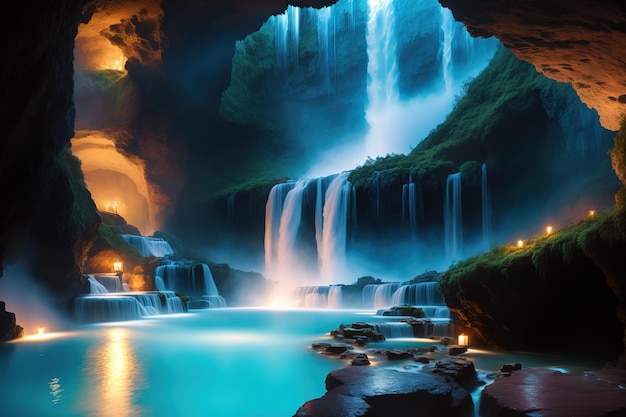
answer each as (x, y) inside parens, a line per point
(333, 251)
(291, 217)
(191, 279)
(325, 22)
(453, 218)
(273, 214)
(377, 296)
(382, 67)
(486, 209)
(149, 246)
(447, 33)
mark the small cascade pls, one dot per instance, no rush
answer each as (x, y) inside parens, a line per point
(149, 246)
(335, 296)
(377, 296)
(409, 204)
(112, 282)
(104, 308)
(230, 209)
(192, 279)
(95, 287)
(486, 209)
(393, 330)
(420, 294)
(453, 218)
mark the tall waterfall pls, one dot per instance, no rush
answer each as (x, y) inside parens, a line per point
(486, 209)
(453, 218)
(382, 67)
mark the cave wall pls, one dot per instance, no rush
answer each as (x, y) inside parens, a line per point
(577, 42)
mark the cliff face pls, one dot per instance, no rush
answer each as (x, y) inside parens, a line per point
(577, 42)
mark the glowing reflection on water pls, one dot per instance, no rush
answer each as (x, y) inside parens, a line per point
(116, 375)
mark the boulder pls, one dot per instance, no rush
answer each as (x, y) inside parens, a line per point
(376, 391)
(458, 370)
(549, 393)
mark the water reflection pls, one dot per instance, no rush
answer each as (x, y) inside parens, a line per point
(56, 390)
(116, 376)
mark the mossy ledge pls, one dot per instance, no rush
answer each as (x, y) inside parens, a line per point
(565, 292)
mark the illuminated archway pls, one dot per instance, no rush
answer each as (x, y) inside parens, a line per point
(117, 182)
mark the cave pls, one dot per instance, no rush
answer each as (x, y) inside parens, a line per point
(198, 183)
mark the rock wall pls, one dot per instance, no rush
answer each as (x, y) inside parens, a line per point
(573, 42)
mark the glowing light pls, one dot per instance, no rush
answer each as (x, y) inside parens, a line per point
(463, 340)
(520, 243)
(117, 266)
(549, 230)
(592, 213)
(40, 330)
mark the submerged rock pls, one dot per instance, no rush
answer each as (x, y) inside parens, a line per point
(373, 391)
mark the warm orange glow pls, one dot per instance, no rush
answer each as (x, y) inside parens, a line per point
(463, 340)
(549, 230)
(520, 243)
(117, 181)
(117, 266)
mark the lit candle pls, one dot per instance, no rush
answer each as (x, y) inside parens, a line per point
(463, 340)
(520, 243)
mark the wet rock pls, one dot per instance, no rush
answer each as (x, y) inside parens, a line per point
(511, 367)
(335, 349)
(361, 360)
(456, 350)
(389, 392)
(398, 354)
(459, 370)
(549, 393)
(335, 406)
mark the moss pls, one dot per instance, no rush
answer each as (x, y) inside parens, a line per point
(618, 160)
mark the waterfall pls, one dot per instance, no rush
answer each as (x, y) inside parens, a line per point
(420, 294)
(486, 209)
(112, 282)
(382, 67)
(333, 252)
(323, 19)
(453, 220)
(230, 209)
(191, 279)
(96, 287)
(287, 258)
(378, 296)
(447, 34)
(149, 246)
(273, 214)
(394, 329)
(335, 296)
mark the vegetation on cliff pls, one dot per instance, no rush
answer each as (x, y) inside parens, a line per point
(557, 291)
